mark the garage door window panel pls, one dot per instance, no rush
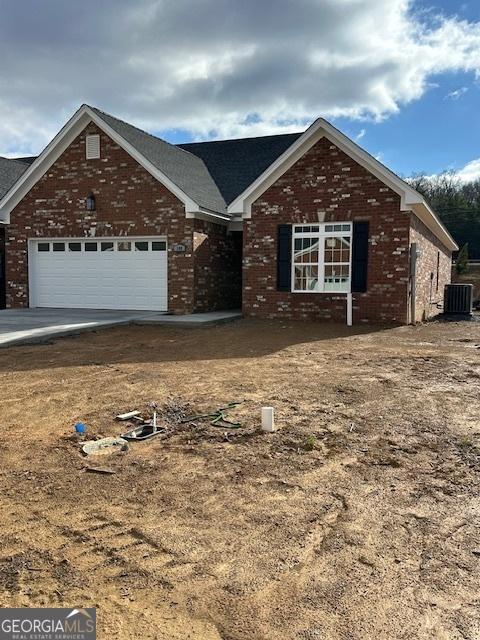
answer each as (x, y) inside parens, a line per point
(91, 246)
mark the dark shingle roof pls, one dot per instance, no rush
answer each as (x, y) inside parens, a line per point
(10, 171)
(235, 164)
(26, 159)
(184, 169)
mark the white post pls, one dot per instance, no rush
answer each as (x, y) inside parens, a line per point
(349, 310)
(268, 421)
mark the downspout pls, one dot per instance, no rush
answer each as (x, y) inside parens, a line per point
(414, 255)
(430, 301)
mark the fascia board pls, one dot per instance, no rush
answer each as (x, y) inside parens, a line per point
(209, 216)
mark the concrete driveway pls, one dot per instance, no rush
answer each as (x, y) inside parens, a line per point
(23, 326)
(18, 326)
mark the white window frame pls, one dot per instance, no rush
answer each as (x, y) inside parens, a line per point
(321, 234)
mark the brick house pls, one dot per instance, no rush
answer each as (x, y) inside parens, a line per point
(303, 225)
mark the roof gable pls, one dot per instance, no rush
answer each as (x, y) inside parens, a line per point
(410, 199)
(184, 174)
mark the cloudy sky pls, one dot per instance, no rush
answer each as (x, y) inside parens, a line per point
(402, 77)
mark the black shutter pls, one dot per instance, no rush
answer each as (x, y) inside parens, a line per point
(360, 256)
(284, 257)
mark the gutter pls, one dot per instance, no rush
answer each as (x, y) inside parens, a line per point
(429, 218)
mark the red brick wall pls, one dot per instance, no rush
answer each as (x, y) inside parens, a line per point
(429, 290)
(129, 201)
(327, 185)
(2, 266)
(217, 267)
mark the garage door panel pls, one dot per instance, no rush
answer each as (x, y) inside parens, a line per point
(99, 279)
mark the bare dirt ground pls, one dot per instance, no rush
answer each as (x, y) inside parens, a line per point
(357, 520)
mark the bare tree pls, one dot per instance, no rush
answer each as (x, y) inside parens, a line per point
(456, 202)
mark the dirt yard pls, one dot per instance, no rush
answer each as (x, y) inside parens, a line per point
(357, 520)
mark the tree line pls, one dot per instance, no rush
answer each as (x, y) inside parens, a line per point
(456, 203)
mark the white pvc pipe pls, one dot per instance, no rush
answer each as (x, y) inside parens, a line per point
(268, 420)
(349, 309)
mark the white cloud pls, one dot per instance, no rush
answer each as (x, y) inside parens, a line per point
(458, 93)
(470, 172)
(219, 69)
(360, 135)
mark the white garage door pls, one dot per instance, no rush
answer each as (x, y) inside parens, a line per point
(116, 273)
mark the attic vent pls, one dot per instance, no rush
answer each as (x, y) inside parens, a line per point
(93, 147)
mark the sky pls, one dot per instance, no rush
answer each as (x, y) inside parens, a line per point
(401, 77)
